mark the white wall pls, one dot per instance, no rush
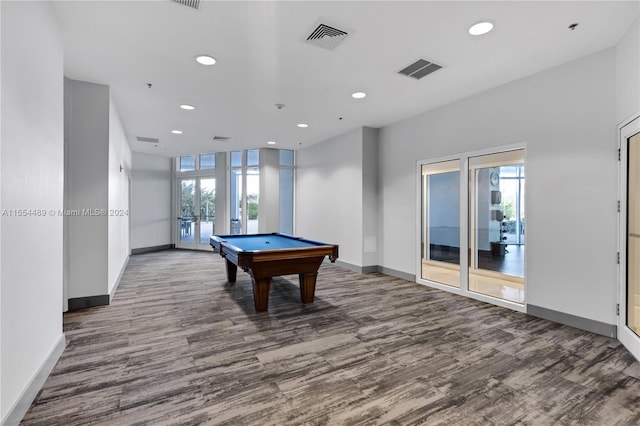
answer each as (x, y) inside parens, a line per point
(96, 148)
(119, 170)
(328, 197)
(151, 201)
(566, 115)
(628, 74)
(87, 157)
(1, 386)
(32, 178)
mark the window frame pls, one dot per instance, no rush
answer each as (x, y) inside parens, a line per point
(197, 172)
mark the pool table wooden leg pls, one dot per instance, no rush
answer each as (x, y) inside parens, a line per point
(232, 271)
(308, 286)
(261, 293)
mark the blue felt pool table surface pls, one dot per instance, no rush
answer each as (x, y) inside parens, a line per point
(268, 242)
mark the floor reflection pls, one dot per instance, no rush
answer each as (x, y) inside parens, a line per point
(441, 273)
(497, 287)
(508, 288)
(512, 263)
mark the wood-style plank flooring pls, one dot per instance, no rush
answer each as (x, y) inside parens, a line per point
(180, 346)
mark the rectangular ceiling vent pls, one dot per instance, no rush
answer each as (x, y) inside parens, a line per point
(145, 139)
(194, 4)
(221, 138)
(326, 36)
(419, 69)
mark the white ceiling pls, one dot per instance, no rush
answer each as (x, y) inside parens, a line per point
(264, 59)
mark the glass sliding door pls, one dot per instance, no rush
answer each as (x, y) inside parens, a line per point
(207, 210)
(253, 199)
(286, 191)
(196, 200)
(252, 191)
(496, 225)
(186, 215)
(236, 199)
(440, 247)
(196, 216)
(472, 226)
(244, 190)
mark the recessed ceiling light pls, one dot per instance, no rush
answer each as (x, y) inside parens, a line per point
(481, 28)
(176, 132)
(303, 125)
(271, 143)
(205, 59)
(358, 95)
(187, 107)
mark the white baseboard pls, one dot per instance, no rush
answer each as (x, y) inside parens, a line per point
(21, 406)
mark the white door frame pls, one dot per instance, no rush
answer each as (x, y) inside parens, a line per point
(625, 335)
(465, 224)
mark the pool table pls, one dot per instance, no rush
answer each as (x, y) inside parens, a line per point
(265, 256)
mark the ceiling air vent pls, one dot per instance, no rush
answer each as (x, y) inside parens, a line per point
(194, 4)
(144, 139)
(221, 138)
(419, 69)
(327, 36)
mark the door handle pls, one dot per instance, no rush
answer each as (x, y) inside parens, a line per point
(634, 235)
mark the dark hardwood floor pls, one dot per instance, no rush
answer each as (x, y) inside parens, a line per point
(180, 346)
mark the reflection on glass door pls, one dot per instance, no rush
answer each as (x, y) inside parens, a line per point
(253, 199)
(512, 205)
(252, 190)
(441, 222)
(496, 231)
(244, 190)
(236, 198)
(196, 218)
(207, 210)
(633, 234)
(187, 216)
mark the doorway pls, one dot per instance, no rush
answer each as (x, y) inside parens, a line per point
(196, 215)
(629, 308)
